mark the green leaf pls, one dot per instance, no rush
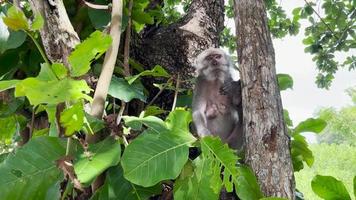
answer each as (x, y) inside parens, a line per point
(72, 118)
(197, 185)
(94, 123)
(213, 147)
(310, 125)
(329, 188)
(179, 119)
(30, 172)
(285, 81)
(156, 124)
(142, 17)
(5, 85)
(300, 152)
(37, 91)
(100, 156)
(151, 157)
(10, 39)
(16, 19)
(287, 119)
(121, 89)
(157, 71)
(117, 187)
(10, 108)
(9, 61)
(60, 70)
(99, 18)
(153, 110)
(87, 51)
(222, 156)
(8, 127)
(46, 73)
(247, 186)
(37, 23)
(273, 198)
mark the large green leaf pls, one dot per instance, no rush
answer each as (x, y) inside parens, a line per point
(152, 158)
(121, 89)
(72, 118)
(310, 125)
(37, 91)
(157, 71)
(30, 172)
(179, 119)
(15, 19)
(117, 187)
(221, 155)
(224, 156)
(99, 157)
(285, 81)
(329, 188)
(87, 51)
(5, 85)
(198, 185)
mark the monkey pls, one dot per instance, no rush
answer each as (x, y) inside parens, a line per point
(216, 105)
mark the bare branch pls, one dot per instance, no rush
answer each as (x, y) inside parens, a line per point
(96, 6)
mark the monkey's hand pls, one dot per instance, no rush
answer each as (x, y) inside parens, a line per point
(229, 86)
(203, 131)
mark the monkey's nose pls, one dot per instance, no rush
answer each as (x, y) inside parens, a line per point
(214, 62)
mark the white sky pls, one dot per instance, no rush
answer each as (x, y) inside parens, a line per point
(306, 97)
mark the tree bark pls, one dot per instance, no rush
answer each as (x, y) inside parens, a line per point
(58, 35)
(175, 46)
(266, 139)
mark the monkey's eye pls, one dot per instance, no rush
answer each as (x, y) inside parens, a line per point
(217, 56)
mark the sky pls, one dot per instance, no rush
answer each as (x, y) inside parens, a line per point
(306, 98)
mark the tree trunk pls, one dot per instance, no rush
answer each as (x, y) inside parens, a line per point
(175, 46)
(58, 35)
(266, 139)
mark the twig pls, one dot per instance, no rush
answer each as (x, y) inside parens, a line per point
(121, 112)
(127, 41)
(322, 20)
(32, 122)
(176, 92)
(96, 6)
(159, 93)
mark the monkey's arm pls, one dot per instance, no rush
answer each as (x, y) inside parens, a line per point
(198, 109)
(232, 88)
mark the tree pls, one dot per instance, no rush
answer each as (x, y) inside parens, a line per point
(266, 138)
(148, 146)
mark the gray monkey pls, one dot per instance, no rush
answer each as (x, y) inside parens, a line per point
(216, 102)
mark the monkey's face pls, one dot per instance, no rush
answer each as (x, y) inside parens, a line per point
(213, 64)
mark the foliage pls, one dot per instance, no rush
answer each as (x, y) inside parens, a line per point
(143, 152)
(328, 187)
(341, 126)
(31, 171)
(334, 160)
